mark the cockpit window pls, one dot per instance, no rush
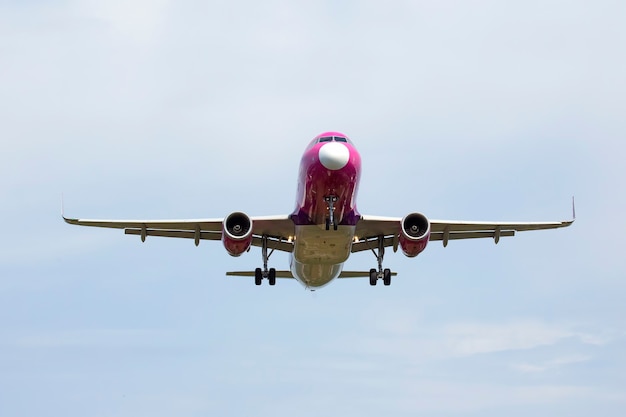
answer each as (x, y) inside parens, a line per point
(333, 138)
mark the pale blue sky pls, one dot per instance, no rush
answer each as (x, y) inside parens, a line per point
(479, 110)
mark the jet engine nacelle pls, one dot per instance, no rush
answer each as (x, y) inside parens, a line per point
(237, 233)
(414, 234)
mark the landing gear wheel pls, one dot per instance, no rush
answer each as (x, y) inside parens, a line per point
(328, 225)
(373, 277)
(258, 276)
(387, 276)
(272, 276)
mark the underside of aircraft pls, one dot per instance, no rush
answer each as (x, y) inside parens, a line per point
(325, 227)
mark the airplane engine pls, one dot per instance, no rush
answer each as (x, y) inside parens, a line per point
(237, 233)
(414, 235)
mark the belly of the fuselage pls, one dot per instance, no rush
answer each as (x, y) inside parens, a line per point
(319, 254)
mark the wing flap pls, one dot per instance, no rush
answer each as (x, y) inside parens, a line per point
(371, 244)
(176, 233)
(471, 235)
(273, 243)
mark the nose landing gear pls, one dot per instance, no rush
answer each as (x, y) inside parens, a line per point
(331, 200)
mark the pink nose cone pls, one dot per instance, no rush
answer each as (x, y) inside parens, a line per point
(334, 155)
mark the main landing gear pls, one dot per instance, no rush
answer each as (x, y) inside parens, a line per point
(384, 274)
(331, 200)
(259, 273)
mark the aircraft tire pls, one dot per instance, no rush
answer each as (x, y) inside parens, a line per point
(387, 277)
(272, 276)
(258, 276)
(373, 277)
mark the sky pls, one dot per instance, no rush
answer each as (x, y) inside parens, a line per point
(469, 110)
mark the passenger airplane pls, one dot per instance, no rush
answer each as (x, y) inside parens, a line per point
(325, 227)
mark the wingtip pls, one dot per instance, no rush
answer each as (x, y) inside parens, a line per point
(69, 220)
(66, 219)
(570, 222)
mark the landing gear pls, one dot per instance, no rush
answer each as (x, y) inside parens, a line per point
(259, 273)
(373, 276)
(384, 274)
(272, 276)
(387, 276)
(331, 200)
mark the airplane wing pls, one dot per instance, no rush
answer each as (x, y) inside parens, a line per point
(370, 228)
(279, 229)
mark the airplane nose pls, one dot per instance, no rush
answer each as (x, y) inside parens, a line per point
(334, 155)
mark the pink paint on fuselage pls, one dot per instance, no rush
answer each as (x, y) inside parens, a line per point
(319, 254)
(315, 182)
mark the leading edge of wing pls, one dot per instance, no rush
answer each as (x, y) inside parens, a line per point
(469, 226)
(278, 226)
(477, 226)
(209, 225)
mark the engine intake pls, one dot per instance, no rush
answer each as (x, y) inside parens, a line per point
(415, 234)
(237, 233)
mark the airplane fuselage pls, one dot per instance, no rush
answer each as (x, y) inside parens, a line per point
(325, 216)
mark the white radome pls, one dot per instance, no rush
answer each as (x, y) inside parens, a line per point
(334, 155)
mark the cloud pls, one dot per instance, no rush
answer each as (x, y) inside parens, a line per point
(471, 338)
(93, 338)
(417, 342)
(551, 364)
(138, 21)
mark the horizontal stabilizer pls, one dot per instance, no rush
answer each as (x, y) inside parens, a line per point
(359, 274)
(288, 274)
(279, 274)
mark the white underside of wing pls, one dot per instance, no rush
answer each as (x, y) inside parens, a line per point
(279, 228)
(213, 225)
(371, 228)
(462, 226)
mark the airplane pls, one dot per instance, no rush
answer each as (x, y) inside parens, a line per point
(325, 227)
